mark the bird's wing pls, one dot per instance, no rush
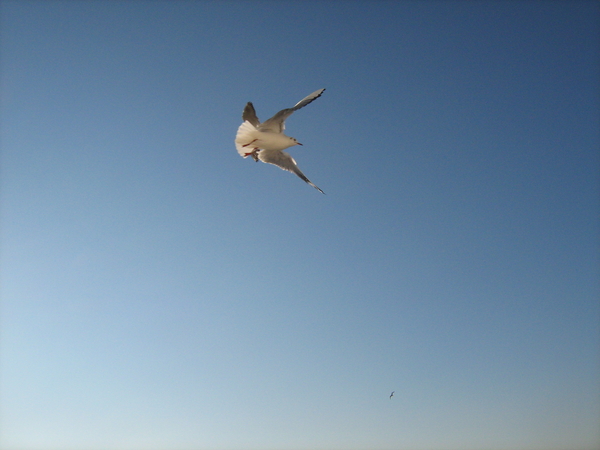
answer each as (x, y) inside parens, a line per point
(277, 122)
(249, 114)
(284, 161)
(309, 98)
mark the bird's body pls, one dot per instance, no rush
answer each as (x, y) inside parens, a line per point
(266, 141)
(392, 394)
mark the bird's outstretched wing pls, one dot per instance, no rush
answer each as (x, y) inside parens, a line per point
(249, 114)
(309, 98)
(284, 161)
(276, 123)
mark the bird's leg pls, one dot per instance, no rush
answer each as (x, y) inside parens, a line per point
(246, 145)
(253, 153)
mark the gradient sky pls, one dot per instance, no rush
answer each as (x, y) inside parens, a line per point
(159, 292)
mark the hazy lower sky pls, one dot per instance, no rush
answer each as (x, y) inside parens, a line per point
(159, 292)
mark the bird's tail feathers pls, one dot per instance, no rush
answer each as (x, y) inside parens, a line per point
(244, 137)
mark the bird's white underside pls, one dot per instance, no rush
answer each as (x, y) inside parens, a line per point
(249, 138)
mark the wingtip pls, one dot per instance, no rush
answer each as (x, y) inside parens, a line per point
(318, 188)
(320, 91)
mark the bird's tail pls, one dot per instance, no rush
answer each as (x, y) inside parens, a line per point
(244, 137)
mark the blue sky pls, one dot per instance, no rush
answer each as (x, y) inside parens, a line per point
(159, 292)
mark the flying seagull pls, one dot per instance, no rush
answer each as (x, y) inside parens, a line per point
(392, 394)
(266, 141)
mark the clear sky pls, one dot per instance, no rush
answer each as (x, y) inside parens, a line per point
(159, 292)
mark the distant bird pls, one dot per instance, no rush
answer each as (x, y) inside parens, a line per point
(266, 141)
(392, 394)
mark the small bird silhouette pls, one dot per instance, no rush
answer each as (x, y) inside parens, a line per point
(392, 394)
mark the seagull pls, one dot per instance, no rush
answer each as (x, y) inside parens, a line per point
(266, 141)
(392, 394)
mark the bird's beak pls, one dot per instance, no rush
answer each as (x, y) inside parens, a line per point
(298, 143)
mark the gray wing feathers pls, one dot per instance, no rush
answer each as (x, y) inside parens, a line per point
(249, 114)
(284, 161)
(277, 122)
(309, 98)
